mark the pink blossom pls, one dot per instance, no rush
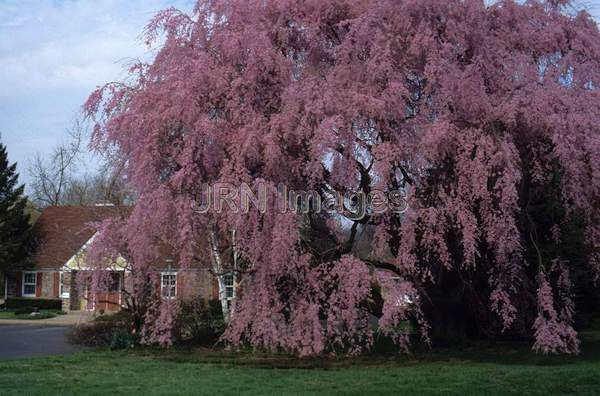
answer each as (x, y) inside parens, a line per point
(462, 106)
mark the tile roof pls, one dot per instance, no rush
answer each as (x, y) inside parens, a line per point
(61, 231)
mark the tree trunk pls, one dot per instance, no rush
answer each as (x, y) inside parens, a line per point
(235, 268)
(218, 270)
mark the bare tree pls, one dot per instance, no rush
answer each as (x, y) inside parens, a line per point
(109, 181)
(50, 176)
(58, 180)
(104, 186)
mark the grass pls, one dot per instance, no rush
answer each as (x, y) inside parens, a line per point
(43, 314)
(475, 369)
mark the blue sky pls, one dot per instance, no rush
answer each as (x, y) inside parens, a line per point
(54, 53)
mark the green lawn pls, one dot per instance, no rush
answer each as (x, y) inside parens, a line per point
(43, 314)
(508, 369)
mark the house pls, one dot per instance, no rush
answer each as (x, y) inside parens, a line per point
(63, 234)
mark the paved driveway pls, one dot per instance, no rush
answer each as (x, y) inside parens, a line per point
(31, 340)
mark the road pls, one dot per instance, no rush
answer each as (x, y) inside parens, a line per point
(18, 341)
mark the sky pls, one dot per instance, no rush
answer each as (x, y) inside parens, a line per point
(54, 53)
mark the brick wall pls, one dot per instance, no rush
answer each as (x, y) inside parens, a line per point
(191, 284)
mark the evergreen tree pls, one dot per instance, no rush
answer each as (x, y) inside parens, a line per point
(15, 228)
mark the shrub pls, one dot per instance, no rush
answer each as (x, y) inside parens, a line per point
(122, 339)
(112, 331)
(24, 310)
(39, 303)
(92, 334)
(121, 318)
(39, 315)
(199, 322)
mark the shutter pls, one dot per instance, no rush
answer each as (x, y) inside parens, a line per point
(19, 283)
(38, 284)
(180, 279)
(56, 289)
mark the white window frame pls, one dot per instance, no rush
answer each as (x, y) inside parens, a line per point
(61, 292)
(162, 285)
(23, 283)
(229, 287)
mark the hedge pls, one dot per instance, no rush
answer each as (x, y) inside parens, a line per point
(39, 303)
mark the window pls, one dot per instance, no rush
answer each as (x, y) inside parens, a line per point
(29, 284)
(229, 286)
(64, 287)
(168, 285)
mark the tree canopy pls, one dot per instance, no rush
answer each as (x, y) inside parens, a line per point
(15, 228)
(485, 117)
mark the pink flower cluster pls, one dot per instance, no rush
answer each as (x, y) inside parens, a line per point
(463, 106)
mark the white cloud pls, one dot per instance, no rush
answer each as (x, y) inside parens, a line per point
(54, 53)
